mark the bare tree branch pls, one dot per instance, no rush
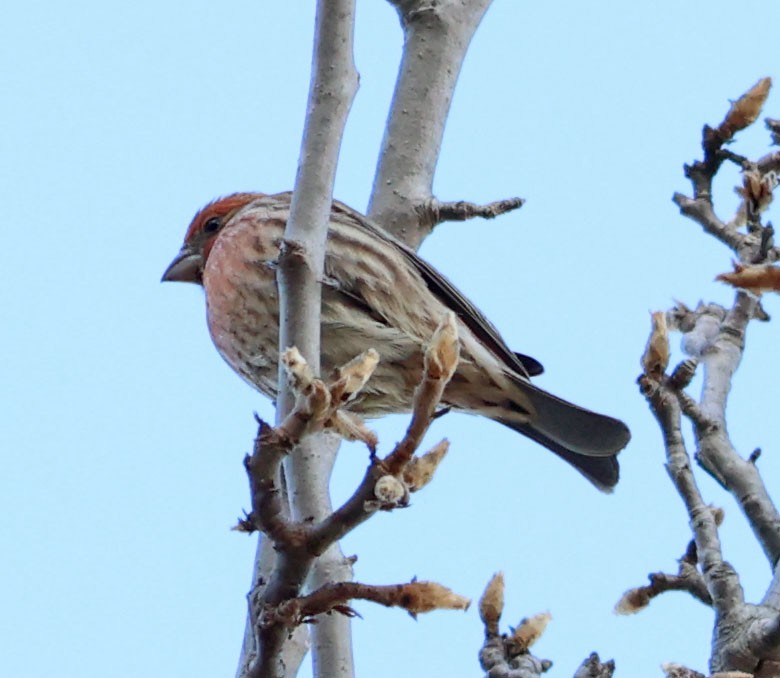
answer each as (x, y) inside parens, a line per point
(436, 37)
(415, 597)
(742, 113)
(440, 362)
(333, 85)
(718, 346)
(746, 636)
(297, 544)
(435, 212)
(688, 579)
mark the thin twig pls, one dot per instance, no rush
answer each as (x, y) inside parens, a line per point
(436, 212)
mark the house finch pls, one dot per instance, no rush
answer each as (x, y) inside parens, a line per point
(376, 293)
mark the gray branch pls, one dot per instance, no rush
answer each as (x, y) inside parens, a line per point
(716, 338)
(746, 636)
(436, 38)
(333, 86)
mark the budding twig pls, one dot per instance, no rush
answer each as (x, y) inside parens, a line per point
(441, 361)
(758, 182)
(509, 653)
(407, 474)
(436, 212)
(415, 597)
(655, 359)
(756, 279)
(419, 471)
(688, 578)
(386, 485)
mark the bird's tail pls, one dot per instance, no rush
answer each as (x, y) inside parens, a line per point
(587, 440)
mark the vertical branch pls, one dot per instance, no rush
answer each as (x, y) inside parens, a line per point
(436, 37)
(334, 83)
(333, 87)
(301, 263)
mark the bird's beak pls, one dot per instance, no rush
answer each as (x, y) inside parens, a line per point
(185, 267)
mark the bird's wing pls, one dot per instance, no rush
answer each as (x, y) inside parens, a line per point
(449, 295)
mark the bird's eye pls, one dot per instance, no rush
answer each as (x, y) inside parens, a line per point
(212, 225)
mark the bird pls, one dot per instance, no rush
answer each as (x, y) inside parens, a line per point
(376, 293)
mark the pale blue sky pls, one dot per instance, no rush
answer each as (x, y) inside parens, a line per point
(123, 431)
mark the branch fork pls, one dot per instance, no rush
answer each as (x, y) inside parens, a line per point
(746, 636)
(277, 605)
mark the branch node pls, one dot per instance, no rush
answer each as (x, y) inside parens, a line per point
(683, 374)
(391, 492)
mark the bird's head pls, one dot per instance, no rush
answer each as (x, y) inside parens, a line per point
(188, 264)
